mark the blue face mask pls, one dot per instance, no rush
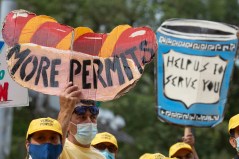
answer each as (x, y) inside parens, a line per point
(107, 154)
(45, 151)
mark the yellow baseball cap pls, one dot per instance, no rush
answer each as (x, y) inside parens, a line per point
(104, 137)
(233, 122)
(44, 124)
(179, 146)
(153, 156)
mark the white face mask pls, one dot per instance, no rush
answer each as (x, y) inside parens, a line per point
(237, 148)
(85, 132)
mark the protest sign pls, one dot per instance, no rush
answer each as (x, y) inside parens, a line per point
(45, 55)
(11, 93)
(194, 66)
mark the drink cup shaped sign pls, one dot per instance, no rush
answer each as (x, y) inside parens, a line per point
(194, 65)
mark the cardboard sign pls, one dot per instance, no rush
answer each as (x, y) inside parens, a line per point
(48, 70)
(195, 62)
(11, 93)
(49, 54)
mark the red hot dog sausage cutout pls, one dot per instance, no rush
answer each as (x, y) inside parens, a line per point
(44, 55)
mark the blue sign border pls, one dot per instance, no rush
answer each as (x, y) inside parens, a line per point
(205, 115)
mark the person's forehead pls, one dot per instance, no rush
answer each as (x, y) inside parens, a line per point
(237, 128)
(106, 143)
(76, 117)
(45, 132)
(182, 152)
(237, 131)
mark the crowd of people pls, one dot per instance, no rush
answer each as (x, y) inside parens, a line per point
(74, 134)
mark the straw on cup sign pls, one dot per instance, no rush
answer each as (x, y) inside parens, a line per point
(201, 76)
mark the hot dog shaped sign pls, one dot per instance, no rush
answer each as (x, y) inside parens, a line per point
(45, 55)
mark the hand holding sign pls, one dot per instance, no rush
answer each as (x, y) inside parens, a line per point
(104, 66)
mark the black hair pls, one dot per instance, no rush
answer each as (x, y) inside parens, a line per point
(232, 132)
(29, 137)
(88, 102)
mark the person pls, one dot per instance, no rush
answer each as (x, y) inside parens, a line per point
(79, 122)
(106, 143)
(184, 149)
(181, 150)
(44, 139)
(233, 130)
(154, 156)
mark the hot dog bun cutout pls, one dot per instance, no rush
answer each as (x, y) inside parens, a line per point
(21, 26)
(44, 55)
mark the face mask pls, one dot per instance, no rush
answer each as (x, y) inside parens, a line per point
(85, 133)
(107, 154)
(45, 151)
(237, 148)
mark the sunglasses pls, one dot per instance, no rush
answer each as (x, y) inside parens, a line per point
(101, 146)
(81, 110)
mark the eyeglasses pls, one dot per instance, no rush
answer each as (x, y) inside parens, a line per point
(103, 146)
(81, 110)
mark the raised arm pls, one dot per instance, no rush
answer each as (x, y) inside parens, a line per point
(68, 98)
(189, 139)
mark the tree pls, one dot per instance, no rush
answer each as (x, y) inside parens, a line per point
(138, 106)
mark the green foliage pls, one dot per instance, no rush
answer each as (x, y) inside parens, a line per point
(94, 14)
(182, 9)
(138, 107)
(21, 120)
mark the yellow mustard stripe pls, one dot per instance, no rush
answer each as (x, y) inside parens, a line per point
(31, 27)
(110, 41)
(65, 43)
(80, 31)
